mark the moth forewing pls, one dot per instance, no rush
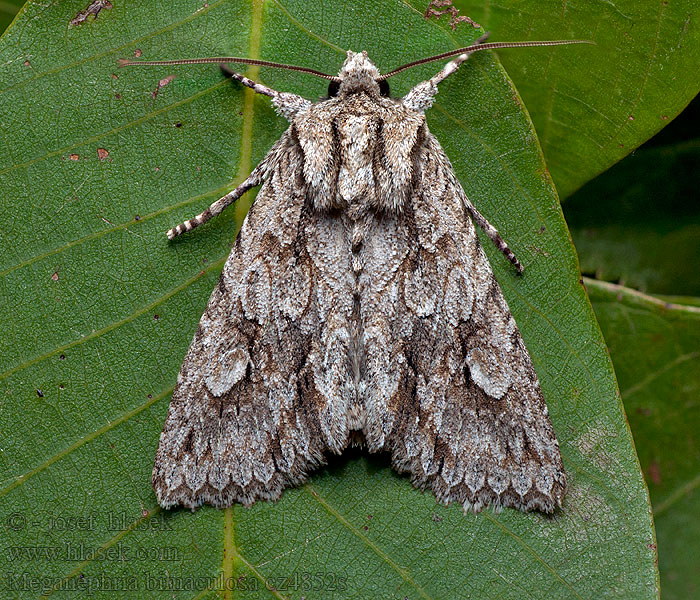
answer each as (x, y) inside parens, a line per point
(358, 302)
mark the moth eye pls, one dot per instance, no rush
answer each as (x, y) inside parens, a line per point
(333, 88)
(384, 88)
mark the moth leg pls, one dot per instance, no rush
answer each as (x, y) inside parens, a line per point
(288, 105)
(421, 96)
(255, 178)
(492, 232)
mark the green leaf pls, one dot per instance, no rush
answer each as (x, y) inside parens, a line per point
(594, 105)
(655, 347)
(99, 310)
(639, 223)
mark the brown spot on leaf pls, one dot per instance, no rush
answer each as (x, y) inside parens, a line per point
(27, 63)
(114, 76)
(74, 157)
(94, 9)
(118, 96)
(537, 250)
(137, 52)
(664, 117)
(436, 518)
(161, 84)
(102, 153)
(654, 473)
(541, 229)
(157, 169)
(631, 117)
(54, 277)
(437, 8)
(62, 357)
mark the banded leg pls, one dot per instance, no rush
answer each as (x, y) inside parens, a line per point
(492, 232)
(287, 105)
(255, 178)
(421, 96)
(254, 85)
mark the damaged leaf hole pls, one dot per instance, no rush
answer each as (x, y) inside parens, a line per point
(438, 8)
(161, 84)
(94, 9)
(102, 154)
(40, 393)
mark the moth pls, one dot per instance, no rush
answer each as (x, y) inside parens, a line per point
(358, 306)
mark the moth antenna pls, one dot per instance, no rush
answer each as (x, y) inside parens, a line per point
(479, 45)
(126, 62)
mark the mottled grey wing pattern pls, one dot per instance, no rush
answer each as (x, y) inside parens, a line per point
(250, 413)
(467, 417)
(358, 298)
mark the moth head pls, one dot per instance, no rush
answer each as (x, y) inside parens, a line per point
(358, 74)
